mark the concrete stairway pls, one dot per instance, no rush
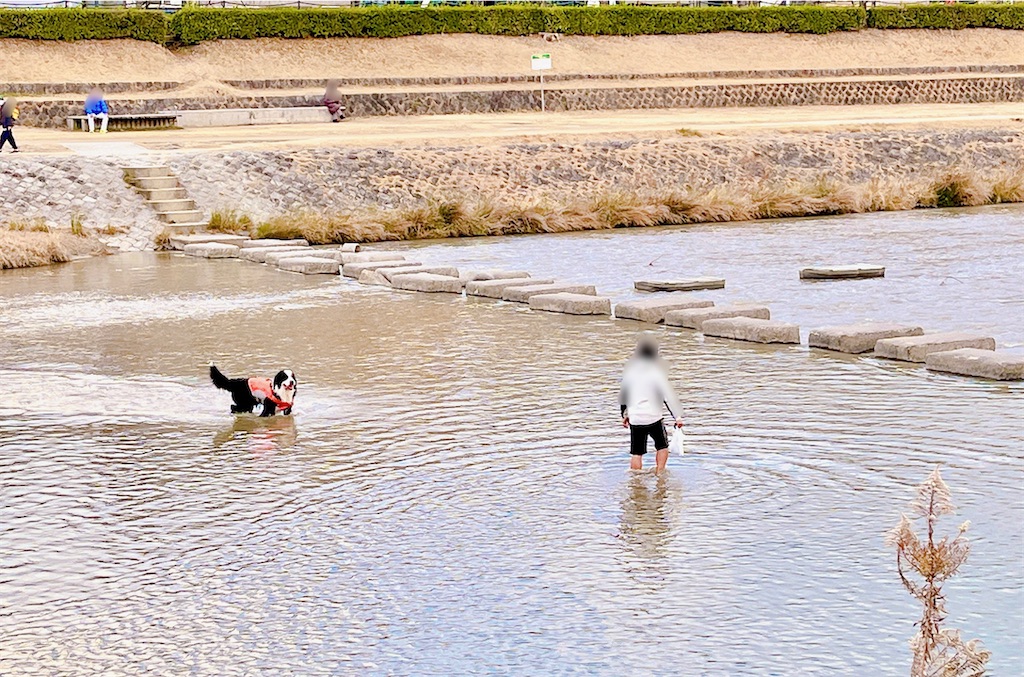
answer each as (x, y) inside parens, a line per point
(163, 192)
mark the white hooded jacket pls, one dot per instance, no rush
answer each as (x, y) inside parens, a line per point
(644, 390)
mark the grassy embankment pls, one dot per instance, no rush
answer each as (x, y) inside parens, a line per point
(28, 245)
(442, 218)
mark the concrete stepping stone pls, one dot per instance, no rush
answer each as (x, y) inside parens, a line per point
(491, 274)
(352, 247)
(271, 242)
(752, 329)
(572, 304)
(367, 257)
(917, 348)
(355, 269)
(859, 338)
(845, 272)
(309, 265)
(391, 273)
(273, 258)
(212, 250)
(683, 284)
(653, 310)
(372, 277)
(522, 294)
(428, 282)
(999, 365)
(693, 318)
(495, 288)
(179, 241)
(259, 254)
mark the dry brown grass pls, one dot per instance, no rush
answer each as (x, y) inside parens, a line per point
(490, 215)
(28, 248)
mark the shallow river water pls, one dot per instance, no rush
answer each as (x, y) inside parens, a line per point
(452, 495)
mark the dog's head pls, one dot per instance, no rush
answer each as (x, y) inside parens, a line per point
(285, 385)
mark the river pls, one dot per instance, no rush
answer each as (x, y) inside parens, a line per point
(451, 496)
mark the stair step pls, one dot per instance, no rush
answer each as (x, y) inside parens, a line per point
(175, 229)
(132, 173)
(183, 216)
(153, 194)
(166, 206)
(154, 182)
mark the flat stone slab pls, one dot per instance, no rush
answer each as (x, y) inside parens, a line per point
(427, 282)
(309, 265)
(572, 304)
(356, 268)
(683, 284)
(693, 318)
(273, 258)
(368, 257)
(491, 274)
(917, 348)
(846, 272)
(259, 254)
(271, 242)
(994, 364)
(653, 310)
(752, 329)
(522, 294)
(212, 250)
(179, 241)
(495, 288)
(391, 273)
(859, 338)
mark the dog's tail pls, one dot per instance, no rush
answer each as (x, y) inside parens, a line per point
(219, 379)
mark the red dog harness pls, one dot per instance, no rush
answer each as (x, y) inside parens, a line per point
(263, 389)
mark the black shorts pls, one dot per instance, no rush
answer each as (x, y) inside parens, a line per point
(638, 437)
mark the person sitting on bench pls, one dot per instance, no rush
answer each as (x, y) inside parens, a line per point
(96, 107)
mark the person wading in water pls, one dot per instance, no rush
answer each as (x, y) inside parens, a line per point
(645, 388)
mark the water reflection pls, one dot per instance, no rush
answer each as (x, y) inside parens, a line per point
(261, 436)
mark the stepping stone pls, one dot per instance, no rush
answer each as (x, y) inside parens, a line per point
(994, 364)
(653, 310)
(859, 338)
(179, 241)
(368, 257)
(259, 254)
(917, 348)
(693, 318)
(573, 304)
(522, 294)
(355, 269)
(690, 284)
(270, 242)
(212, 250)
(751, 329)
(309, 265)
(495, 288)
(428, 282)
(273, 258)
(491, 274)
(390, 273)
(351, 247)
(373, 277)
(856, 270)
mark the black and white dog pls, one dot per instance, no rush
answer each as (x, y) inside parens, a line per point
(261, 396)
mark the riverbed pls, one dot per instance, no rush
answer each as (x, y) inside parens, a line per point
(452, 497)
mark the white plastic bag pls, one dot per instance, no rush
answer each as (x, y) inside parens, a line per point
(675, 445)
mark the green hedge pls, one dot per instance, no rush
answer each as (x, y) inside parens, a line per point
(194, 25)
(82, 24)
(191, 26)
(948, 16)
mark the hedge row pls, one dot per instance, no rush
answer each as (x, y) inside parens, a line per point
(194, 25)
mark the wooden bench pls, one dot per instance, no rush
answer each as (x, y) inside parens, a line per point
(140, 121)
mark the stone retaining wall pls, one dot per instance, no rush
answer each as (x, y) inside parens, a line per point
(54, 113)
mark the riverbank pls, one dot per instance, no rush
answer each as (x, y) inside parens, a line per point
(28, 249)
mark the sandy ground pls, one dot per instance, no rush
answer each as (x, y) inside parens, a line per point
(439, 55)
(485, 129)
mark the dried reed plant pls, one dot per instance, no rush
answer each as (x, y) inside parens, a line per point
(924, 565)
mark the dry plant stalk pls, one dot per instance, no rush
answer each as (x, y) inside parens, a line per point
(924, 565)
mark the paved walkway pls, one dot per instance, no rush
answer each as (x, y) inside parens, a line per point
(504, 127)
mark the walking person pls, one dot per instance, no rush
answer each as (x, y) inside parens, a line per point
(8, 118)
(645, 389)
(96, 108)
(332, 100)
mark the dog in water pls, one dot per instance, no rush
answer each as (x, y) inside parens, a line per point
(260, 396)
